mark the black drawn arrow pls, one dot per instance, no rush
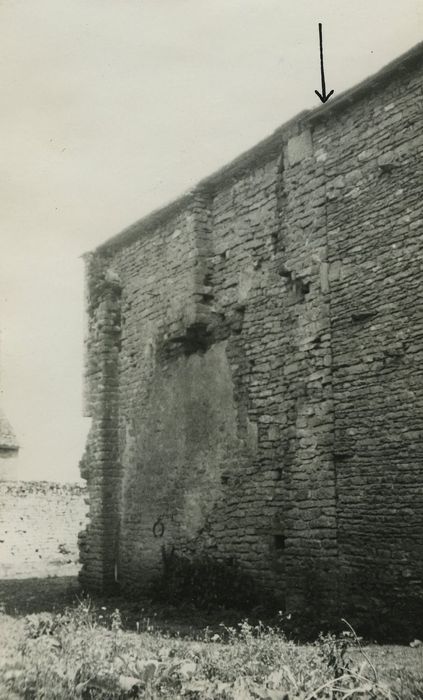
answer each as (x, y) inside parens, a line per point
(323, 97)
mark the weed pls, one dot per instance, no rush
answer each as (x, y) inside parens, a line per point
(83, 653)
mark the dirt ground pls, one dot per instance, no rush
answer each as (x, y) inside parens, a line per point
(32, 595)
(19, 597)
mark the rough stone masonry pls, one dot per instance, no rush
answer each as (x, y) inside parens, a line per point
(254, 364)
(39, 523)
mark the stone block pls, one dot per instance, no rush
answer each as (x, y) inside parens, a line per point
(299, 147)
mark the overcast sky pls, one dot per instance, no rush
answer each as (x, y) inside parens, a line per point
(110, 108)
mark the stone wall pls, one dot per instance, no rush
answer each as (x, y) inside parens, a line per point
(39, 525)
(374, 216)
(254, 370)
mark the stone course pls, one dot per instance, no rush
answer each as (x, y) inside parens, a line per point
(254, 372)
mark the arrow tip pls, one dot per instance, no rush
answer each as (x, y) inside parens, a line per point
(324, 98)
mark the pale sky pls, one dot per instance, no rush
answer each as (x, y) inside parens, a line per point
(111, 108)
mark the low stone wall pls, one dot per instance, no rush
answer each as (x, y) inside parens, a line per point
(39, 525)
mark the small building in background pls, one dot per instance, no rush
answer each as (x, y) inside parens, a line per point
(8, 442)
(9, 447)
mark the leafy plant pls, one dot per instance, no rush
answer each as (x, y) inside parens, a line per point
(81, 653)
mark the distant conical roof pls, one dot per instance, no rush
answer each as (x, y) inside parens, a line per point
(8, 439)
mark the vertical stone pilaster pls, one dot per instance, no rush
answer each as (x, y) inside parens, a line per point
(202, 277)
(312, 546)
(100, 465)
(194, 315)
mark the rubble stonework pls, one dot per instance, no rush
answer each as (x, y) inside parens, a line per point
(254, 362)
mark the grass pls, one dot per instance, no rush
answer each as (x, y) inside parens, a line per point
(85, 652)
